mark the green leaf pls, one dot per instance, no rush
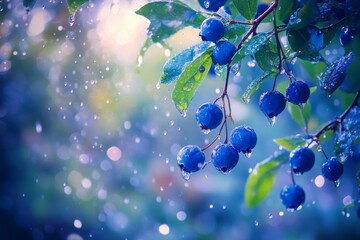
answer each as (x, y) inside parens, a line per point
(304, 16)
(335, 75)
(285, 9)
(166, 18)
(307, 42)
(300, 115)
(292, 142)
(247, 8)
(262, 178)
(254, 44)
(267, 59)
(330, 33)
(234, 31)
(29, 4)
(254, 85)
(74, 5)
(175, 66)
(189, 68)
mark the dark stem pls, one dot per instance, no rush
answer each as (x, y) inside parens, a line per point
(332, 25)
(292, 176)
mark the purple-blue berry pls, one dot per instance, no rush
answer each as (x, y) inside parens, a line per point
(209, 116)
(292, 196)
(262, 7)
(191, 159)
(224, 157)
(302, 160)
(272, 103)
(297, 92)
(211, 5)
(223, 52)
(243, 139)
(212, 29)
(332, 169)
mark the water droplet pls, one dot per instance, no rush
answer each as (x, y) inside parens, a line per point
(319, 148)
(337, 183)
(301, 105)
(270, 216)
(248, 153)
(201, 69)
(218, 69)
(251, 63)
(206, 131)
(140, 61)
(246, 100)
(185, 175)
(38, 127)
(272, 120)
(207, 3)
(256, 223)
(158, 85)
(71, 20)
(235, 69)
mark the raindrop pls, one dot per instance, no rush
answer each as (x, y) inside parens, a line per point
(140, 60)
(301, 105)
(218, 69)
(235, 69)
(71, 20)
(272, 120)
(38, 127)
(270, 216)
(251, 63)
(207, 3)
(319, 148)
(206, 131)
(158, 85)
(256, 223)
(248, 153)
(185, 175)
(337, 183)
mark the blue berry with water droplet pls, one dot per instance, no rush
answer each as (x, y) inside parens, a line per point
(302, 160)
(224, 157)
(272, 103)
(292, 196)
(346, 36)
(332, 169)
(190, 159)
(211, 5)
(297, 92)
(243, 138)
(209, 116)
(212, 29)
(223, 52)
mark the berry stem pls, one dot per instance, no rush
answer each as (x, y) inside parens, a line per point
(292, 176)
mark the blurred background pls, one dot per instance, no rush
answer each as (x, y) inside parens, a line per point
(89, 142)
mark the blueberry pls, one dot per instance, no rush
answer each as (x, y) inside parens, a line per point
(223, 52)
(191, 159)
(225, 157)
(212, 29)
(292, 196)
(262, 7)
(243, 139)
(297, 92)
(209, 116)
(272, 103)
(302, 159)
(332, 169)
(211, 5)
(346, 36)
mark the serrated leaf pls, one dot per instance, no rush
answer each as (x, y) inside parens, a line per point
(262, 178)
(188, 74)
(29, 4)
(304, 16)
(254, 85)
(74, 5)
(247, 8)
(267, 59)
(285, 9)
(175, 66)
(166, 18)
(254, 44)
(300, 115)
(291, 142)
(335, 74)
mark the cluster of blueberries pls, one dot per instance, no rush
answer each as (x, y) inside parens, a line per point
(209, 116)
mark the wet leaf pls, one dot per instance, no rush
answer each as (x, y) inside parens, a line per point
(29, 4)
(254, 44)
(335, 74)
(74, 5)
(234, 31)
(247, 8)
(254, 85)
(188, 68)
(267, 59)
(285, 9)
(292, 142)
(262, 178)
(175, 66)
(304, 16)
(307, 42)
(166, 18)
